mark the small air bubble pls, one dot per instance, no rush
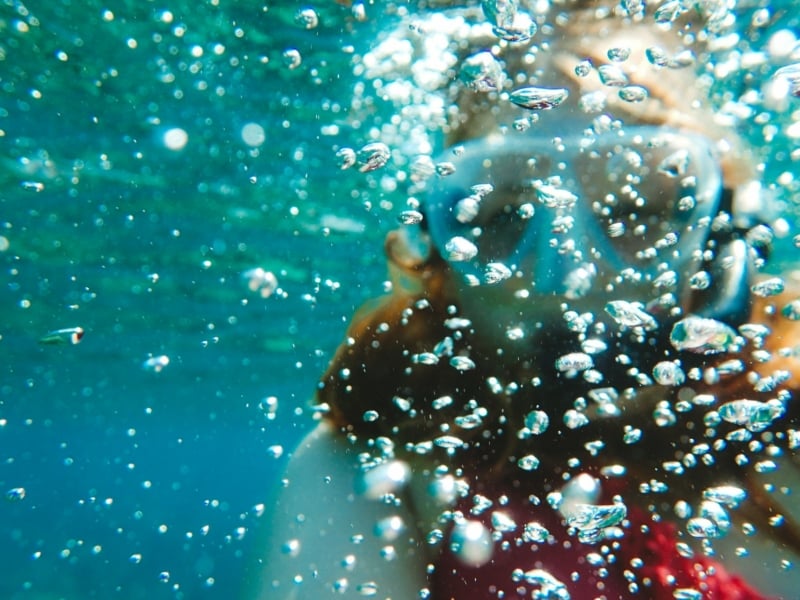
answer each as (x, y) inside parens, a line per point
(306, 18)
(619, 54)
(292, 58)
(583, 68)
(633, 93)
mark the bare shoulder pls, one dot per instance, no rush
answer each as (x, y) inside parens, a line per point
(331, 536)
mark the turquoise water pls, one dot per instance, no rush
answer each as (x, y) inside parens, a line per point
(146, 482)
(144, 247)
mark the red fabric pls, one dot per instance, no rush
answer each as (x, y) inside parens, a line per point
(667, 570)
(662, 570)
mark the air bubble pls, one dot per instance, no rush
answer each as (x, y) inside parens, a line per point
(537, 422)
(369, 588)
(769, 287)
(502, 522)
(472, 544)
(528, 462)
(789, 76)
(449, 442)
(553, 196)
(390, 528)
(15, 494)
(633, 93)
(687, 594)
(700, 527)
(496, 272)
(462, 363)
(703, 336)
(700, 280)
(574, 419)
(668, 373)
(752, 414)
(583, 68)
(619, 54)
(508, 22)
(631, 435)
(373, 156)
(410, 217)
(306, 18)
(425, 358)
(445, 169)
(676, 164)
(612, 76)
(549, 586)
(538, 98)
(482, 73)
(346, 158)
(292, 58)
(535, 532)
(575, 361)
(630, 314)
(729, 495)
(385, 478)
(792, 310)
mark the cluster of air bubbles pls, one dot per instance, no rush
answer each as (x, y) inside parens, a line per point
(754, 415)
(552, 194)
(156, 364)
(269, 407)
(495, 272)
(592, 521)
(508, 21)
(545, 583)
(482, 72)
(370, 157)
(261, 281)
(471, 540)
(410, 217)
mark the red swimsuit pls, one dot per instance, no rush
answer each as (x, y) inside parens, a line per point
(644, 563)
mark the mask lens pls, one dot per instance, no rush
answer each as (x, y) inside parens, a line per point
(488, 201)
(651, 190)
(632, 199)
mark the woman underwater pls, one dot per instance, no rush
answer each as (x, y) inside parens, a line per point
(581, 385)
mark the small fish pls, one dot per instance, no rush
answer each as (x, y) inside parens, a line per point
(70, 335)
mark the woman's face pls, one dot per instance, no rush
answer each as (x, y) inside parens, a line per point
(578, 343)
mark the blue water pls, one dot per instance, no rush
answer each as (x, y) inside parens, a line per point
(124, 467)
(144, 484)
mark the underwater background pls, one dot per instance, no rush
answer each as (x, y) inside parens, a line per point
(169, 183)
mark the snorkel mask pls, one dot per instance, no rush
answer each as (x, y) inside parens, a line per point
(611, 213)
